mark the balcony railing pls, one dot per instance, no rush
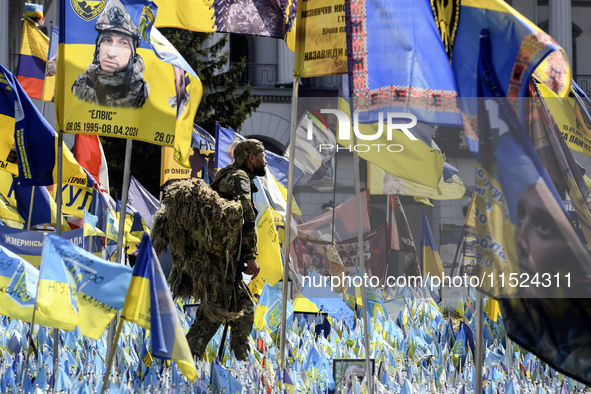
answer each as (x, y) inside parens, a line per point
(265, 76)
(584, 82)
(259, 75)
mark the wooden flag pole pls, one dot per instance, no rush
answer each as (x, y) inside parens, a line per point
(287, 237)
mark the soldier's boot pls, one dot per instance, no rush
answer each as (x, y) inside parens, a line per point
(200, 333)
(242, 327)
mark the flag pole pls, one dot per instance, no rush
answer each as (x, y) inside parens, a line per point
(124, 196)
(334, 197)
(33, 188)
(478, 344)
(31, 208)
(111, 354)
(457, 251)
(509, 353)
(58, 232)
(361, 259)
(31, 330)
(287, 237)
(121, 234)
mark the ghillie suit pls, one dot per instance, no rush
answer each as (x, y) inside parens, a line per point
(203, 232)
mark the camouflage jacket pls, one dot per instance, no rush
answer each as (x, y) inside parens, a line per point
(104, 88)
(233, 183)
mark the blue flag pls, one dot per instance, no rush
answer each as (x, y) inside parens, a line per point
(29, 140)
(226, 140)
(519, 48)
(380, 69)
(141, 199)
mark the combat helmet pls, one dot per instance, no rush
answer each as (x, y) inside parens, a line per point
(115, 18)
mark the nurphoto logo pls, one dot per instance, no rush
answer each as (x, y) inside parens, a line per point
(395, 121)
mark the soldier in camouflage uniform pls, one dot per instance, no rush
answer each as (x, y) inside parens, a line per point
(115, 78)
(235, 182)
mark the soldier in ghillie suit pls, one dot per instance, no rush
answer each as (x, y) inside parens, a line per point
(212, 239)
(115, 78)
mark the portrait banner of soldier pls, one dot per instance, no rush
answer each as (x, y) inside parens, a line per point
(117, 76)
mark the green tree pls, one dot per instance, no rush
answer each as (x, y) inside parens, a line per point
(224, 101)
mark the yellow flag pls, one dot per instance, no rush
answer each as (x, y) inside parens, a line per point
(321, 43)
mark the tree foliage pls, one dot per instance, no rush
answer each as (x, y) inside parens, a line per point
(224, 101)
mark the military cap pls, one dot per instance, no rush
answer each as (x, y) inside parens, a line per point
(243, 148)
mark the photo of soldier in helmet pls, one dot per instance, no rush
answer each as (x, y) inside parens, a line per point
(115, 78)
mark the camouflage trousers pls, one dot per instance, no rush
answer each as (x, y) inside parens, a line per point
(204, 329)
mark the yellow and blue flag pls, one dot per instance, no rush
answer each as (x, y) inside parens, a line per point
(9, 215)
(201, 159)
(90, 225)
(316, 296)
(379, 70)
(149, 304)
(19, 280)
(432, 264)
(75, 199)
(422, 162)
(33, 57)
(76, 288)
(450, 186)
(268, 311)
(519, 48)
(28, 146)
(43, 210)
(523, 231)
(155, 103)
(112, 231)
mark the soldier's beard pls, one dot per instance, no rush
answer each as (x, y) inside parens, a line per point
(260, 171)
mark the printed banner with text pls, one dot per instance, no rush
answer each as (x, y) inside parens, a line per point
(321, 44)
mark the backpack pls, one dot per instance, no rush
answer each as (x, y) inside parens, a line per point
(203, 232)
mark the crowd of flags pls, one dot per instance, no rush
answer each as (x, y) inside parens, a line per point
(479, 49)
(416, 345)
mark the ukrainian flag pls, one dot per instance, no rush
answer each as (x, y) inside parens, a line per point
(76, 288)
(21, 278)
(90, 225)
(268, 312)
(149, 304)
(431, 260)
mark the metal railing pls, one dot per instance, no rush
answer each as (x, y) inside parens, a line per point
(259, 75)
(265, 76)
(584, 82)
